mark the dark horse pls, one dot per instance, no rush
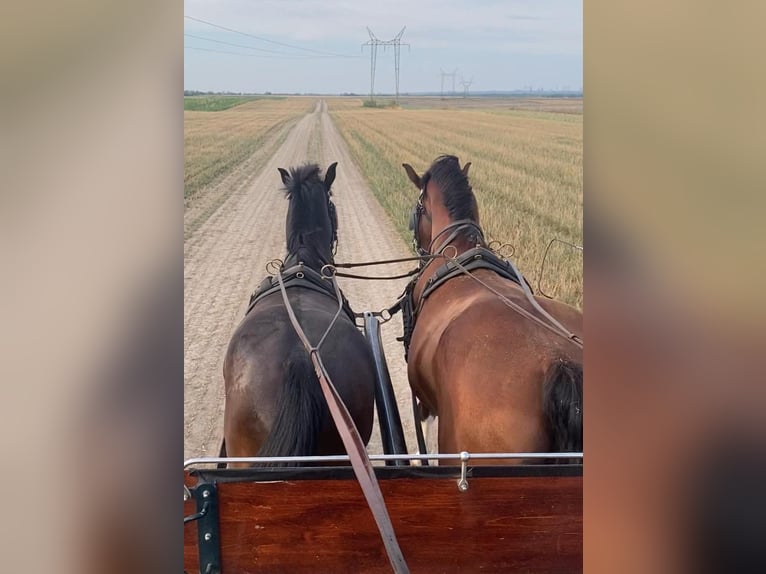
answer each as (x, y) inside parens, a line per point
(498, 380)
(274, 403)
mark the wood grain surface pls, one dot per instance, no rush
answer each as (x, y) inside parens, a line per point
(501, 524)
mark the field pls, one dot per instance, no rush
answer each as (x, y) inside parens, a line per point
(527, 171)
(526, 153)
(215, 142)
(527, 175)
(219, 103)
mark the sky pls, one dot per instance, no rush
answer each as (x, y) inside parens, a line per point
(315, 46)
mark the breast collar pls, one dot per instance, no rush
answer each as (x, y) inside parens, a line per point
(479, 257)
(298, 275)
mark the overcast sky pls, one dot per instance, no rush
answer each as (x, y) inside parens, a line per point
(500, 44)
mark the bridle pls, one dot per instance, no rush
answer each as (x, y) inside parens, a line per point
(333, 224)
(417, 212)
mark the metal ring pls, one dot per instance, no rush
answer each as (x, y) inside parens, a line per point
(497, 247)
(448, 256)
(385, 314)
(300, 275)
(330, 268)
(273, 266)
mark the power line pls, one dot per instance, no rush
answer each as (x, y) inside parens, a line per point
(232, 44)
(222, 51)
(268, 40)
(283, 54)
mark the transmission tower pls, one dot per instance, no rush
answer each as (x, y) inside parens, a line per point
(466, 85)
(374, 42)
(448, 75)
(396, 42)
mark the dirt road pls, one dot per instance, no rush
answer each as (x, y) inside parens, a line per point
(234, 229)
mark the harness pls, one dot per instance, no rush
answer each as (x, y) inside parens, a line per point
(298, 276)
(476, 258)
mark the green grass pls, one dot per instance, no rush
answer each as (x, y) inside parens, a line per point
(220, 103)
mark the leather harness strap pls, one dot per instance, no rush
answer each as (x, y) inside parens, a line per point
(298, 275)
(349, 434)
(471, 260)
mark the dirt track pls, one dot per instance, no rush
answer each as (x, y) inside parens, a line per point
(234, 229)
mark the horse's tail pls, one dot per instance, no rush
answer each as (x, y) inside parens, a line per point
(301, 411)
(562, 405)
(222, 453)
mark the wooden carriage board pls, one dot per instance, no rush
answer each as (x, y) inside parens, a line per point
(514, 519)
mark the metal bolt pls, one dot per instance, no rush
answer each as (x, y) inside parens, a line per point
(462, 484)
(205, 493)
(208, 536)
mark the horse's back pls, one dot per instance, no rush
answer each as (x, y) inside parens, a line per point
(489, 364)
(467, 313)
(263, 350)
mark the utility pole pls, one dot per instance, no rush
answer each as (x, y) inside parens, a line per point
(374, 42)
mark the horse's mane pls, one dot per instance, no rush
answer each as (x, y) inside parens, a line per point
(308, 198)
(300, 175)
(456, 191)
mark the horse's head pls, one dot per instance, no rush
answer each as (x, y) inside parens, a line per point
(312, 222)
(430, 191)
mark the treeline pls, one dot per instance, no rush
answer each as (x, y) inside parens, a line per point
(211, 93)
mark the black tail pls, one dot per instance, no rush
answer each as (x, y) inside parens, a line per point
(301, 411)
(222, 453)
(562, 405)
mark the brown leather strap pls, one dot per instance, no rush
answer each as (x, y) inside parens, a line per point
(353, 443)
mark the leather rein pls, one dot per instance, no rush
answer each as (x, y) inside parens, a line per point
(347, 430)
(547, 321)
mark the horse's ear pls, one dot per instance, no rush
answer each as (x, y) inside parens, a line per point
(414, 177)
(285, 175)
(329, 175)
(465, 168)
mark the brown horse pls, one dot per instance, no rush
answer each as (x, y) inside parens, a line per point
(498, 380)
(274, 403)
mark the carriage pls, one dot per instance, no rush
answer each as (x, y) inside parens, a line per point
(471, 511)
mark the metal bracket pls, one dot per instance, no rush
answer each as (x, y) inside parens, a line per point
(462, 484)
(208, 542)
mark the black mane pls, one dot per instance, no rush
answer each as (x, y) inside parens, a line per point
(458, 195)
(311, 223)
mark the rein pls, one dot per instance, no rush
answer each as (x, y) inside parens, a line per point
(552, 324)
(458, 226)
(332, 268)
(349, 434)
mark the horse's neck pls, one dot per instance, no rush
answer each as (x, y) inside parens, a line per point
(461, 245)
(454, 233)
(309, 257)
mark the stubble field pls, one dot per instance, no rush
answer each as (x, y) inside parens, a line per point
(527, 172)
(217, 141)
